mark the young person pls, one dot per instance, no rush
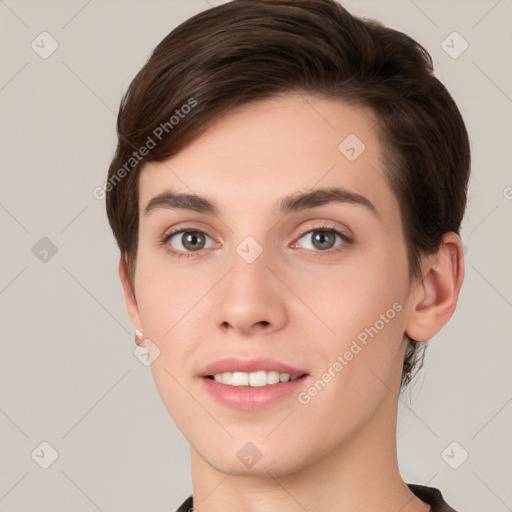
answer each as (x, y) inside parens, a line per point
(286, 194)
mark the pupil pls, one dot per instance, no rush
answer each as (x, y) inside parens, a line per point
(191, 241)
(322, 237)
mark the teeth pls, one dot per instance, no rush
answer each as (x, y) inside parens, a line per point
(239, 379)
(257, 379)
(253, 379)
(273, 377)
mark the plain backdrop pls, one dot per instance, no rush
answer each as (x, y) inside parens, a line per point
(71, 387)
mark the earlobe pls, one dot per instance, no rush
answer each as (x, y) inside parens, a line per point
(433, 300)
(129, 295)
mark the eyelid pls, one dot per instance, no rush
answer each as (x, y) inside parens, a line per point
(186, 227)
(325, 225)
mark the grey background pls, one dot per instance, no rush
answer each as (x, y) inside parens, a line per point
(68, 373)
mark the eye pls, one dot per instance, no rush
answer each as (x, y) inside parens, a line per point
(323, 238)
(187, 241)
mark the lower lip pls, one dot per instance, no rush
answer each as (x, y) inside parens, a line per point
(250, 398)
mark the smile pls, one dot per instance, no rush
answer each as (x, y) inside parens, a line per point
(258, 378)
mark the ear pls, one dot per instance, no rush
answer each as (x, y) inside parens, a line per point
(129, 296)
(433, 300)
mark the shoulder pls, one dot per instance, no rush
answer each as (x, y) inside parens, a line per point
(186, 506)
(431, 496)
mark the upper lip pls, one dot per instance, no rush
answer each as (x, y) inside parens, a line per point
(236, 364)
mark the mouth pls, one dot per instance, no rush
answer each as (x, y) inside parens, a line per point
(255, 379)
(251, 383)
(256, 372)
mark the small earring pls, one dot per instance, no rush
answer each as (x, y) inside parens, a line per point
(139, 336)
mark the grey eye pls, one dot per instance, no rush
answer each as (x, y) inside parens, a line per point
(322, 239)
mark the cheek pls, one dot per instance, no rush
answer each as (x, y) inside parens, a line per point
(164, 294)
(169, 306)
(355, 295)
(364, 309)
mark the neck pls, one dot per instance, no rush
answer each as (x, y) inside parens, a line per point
(360, 474)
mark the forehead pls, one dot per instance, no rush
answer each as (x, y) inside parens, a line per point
(268, 149)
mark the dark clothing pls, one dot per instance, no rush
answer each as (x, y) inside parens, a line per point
(431, 496)
(427, 494)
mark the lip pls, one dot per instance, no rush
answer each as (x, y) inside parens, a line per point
(247, 397)
(235, 364)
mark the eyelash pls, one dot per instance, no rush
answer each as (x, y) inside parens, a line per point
(315, 254)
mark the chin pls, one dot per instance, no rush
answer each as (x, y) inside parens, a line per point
(244, 458)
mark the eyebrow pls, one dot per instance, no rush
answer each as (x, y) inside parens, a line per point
(291, 203)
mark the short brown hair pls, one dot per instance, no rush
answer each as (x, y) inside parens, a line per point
(250, 50)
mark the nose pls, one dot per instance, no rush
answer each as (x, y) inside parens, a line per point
(251, 299)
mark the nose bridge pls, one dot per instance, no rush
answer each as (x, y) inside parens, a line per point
(250, 297)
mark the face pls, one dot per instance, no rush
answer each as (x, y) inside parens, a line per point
(318, 290)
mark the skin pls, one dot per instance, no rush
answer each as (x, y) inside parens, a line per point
(337, 452)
